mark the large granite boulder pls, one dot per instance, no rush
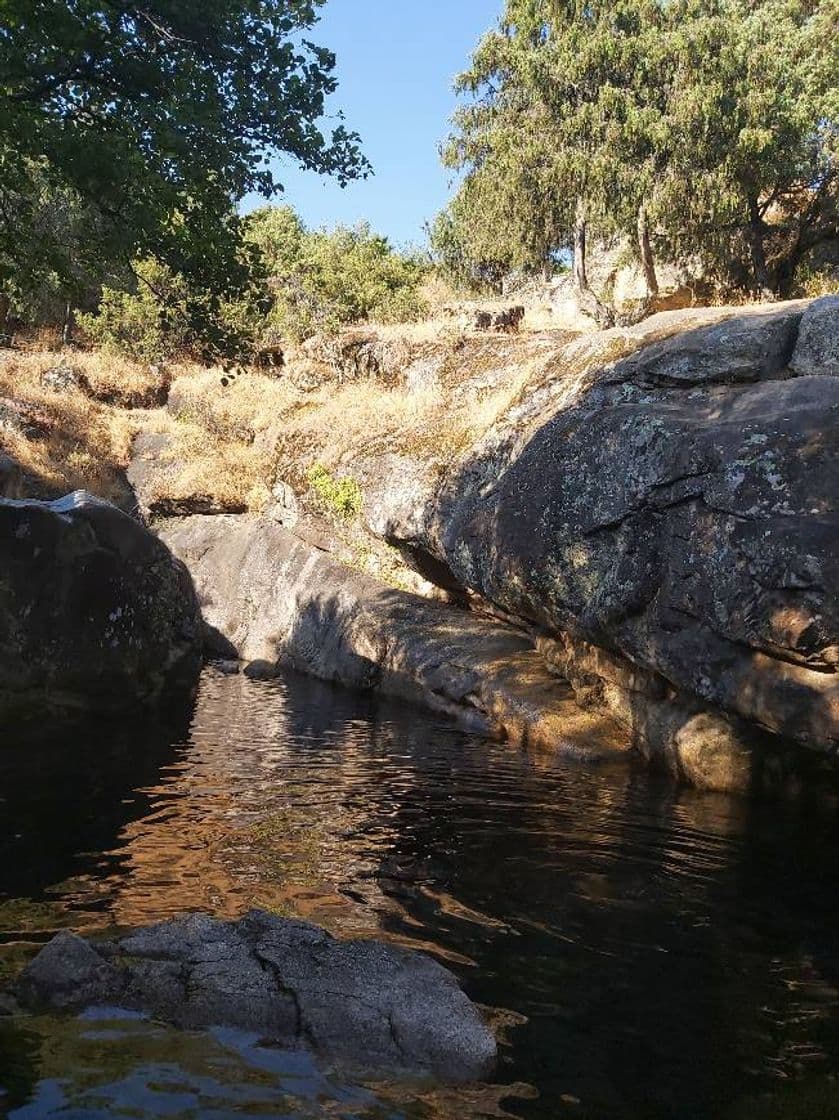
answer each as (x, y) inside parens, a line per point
(667, 494)
(271, 598)
(373, 1006)
(95, 612)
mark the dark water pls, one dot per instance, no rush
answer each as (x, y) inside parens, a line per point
(649, 952)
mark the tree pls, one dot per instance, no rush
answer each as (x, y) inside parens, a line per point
(753, 119)
(159, 116)
(704, 127)
(59, 259)
(460, 257)
(569, 94)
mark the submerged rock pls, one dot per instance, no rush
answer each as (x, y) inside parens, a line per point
(95, 612)
(373, 1006)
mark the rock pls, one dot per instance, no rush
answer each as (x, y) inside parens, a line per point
(616, 275)
(279, 601)
(509, 319)
(284, 508)
(68, 974)
(22, 419)
(62, 379)
(95, 612)
(158, 479)
(746, 348)
(227, 668)
(667, 493)
(817, 350)
(352, 355)
(375, 1007)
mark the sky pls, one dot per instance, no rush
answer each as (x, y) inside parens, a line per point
(396, 63)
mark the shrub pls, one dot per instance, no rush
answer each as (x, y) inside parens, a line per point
(322, 280)
(151, 323)
(338, 496)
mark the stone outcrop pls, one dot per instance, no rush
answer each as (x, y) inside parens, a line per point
(666, 494)
(271, 599)
(372, 1006)
(161, 485)
(95, 612)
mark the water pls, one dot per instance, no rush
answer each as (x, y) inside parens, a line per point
(647, 951)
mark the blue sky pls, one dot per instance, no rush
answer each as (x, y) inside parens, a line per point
(396, 63)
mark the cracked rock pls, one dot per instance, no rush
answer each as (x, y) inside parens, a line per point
(365, 1004)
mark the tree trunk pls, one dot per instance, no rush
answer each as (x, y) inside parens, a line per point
(547, 271)
(758, 252)
(587, 301)
(580, 278)
(69, 323)
(646, 251)
(5, 306)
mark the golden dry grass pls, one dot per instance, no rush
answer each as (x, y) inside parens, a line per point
(78, 443)
(236, 440)
(231, 442)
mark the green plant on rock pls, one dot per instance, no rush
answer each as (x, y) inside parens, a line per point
(340, 497)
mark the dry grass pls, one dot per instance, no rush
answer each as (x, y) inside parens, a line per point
(231, 442)
(237, 440)
(75, 442)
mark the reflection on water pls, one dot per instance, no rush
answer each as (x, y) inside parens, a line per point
(665, 953)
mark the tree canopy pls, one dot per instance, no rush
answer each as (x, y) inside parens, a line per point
(156, 117)
(705, 128)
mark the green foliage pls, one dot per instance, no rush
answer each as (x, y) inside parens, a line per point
(148, 324)
(714, 119)
(322, 280)
(154, 118)
(340, 497)
(59, 252)
(467, 249)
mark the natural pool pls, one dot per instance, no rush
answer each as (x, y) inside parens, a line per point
(648, 951)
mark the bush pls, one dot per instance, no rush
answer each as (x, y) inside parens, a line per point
(151, 323)
(323, 280)
(338, 496)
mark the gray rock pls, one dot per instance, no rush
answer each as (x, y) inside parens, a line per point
(279, 601)
(95, 612)
(746, 348)
(283, 508)
(668, 493)
(372, 1006)
(62, 379)
(817, 351)
(68, 974)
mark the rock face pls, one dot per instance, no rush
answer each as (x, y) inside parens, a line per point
(270, 598)
(95, 612)
(666, 495)
(371, 1005)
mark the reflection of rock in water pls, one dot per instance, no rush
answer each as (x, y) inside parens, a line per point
(260, 809)
(67, 789)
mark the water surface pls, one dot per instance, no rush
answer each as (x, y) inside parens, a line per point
(647, 951)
